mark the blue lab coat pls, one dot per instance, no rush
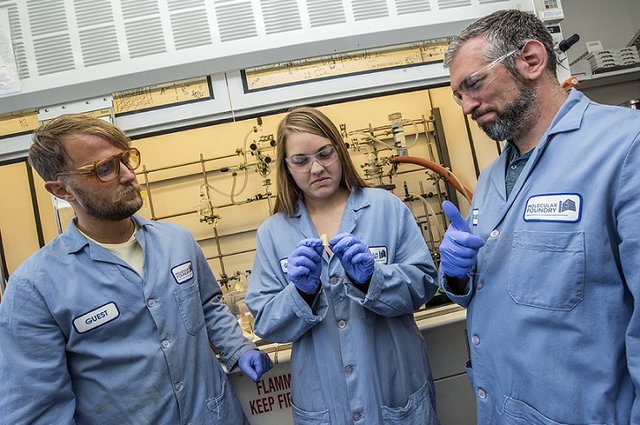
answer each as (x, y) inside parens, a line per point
(553, 305)
(357, 357)
(85, 340)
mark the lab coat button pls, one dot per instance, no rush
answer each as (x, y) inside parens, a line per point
(348, 370)
(480, 285)
(357, 417)
(151, 303)
(178, 386)
(165, 343)
(475, 340)
(333, 280)
(495, 233)
(342, 324)
(482, 393)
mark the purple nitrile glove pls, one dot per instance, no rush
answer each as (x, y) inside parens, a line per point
(254, 363)
(305, 264)
(355, 257)
(459, 246)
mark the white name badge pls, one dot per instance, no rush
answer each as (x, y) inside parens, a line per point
(183, 272)
(95, 318)
(284, 265)
(561, 207)
(379, 254)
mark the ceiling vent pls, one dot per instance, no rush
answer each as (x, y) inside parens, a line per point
(72, 49)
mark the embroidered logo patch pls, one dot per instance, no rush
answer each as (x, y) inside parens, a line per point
(561, 207)
(183, 272)
(379, 253)
(96, 317)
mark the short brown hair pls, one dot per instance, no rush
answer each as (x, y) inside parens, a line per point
(48, 155)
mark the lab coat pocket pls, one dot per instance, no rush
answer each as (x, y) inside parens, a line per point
(225, 408)
(547, 269)
(216, 406)
(304, 417)
(517, 412)
(190, 307)
(419, 410)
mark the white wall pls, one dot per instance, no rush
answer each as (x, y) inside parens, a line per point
(613, 22)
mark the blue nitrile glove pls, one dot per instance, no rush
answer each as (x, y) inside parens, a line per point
(305, 264)
(459, 246)
(254, 363)
(354, 255)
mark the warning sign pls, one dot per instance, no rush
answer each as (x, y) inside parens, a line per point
(268, 401)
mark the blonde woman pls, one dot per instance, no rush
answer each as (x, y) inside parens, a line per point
(358, 356)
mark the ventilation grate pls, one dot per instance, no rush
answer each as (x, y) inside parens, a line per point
(17, 39)
(46, 17)
(145, 37)
(21, 60)
(90, 12)
(138, 8)
(326, 12)
(190, 29)
(53, 54)
(280, 16)
(369, 9)
(405, 7)
(235, 21)
(176, 5)
(451, 4)
(99, 45)
(90, 42)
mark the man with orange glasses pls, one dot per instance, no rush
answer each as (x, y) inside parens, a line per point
(114, 320)
(547, 262)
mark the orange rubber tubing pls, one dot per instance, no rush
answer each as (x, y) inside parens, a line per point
(446, 174)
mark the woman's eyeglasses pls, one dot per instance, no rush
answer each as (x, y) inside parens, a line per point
(325, 157)
(108, 169)
(476, 83)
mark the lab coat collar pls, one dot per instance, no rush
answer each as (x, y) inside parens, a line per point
(74, 241)
(358, 200)
(569, 117)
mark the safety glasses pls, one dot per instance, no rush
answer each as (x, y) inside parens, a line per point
(108, 169)
(325, 157)
(477, 82)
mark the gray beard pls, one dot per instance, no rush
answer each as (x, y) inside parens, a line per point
(515, 119)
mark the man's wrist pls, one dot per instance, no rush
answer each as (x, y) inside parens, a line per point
(457, 285)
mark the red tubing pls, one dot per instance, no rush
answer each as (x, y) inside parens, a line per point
(446, 174)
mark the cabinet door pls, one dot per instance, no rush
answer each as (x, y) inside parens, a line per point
(455, 401)
(18, 221)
